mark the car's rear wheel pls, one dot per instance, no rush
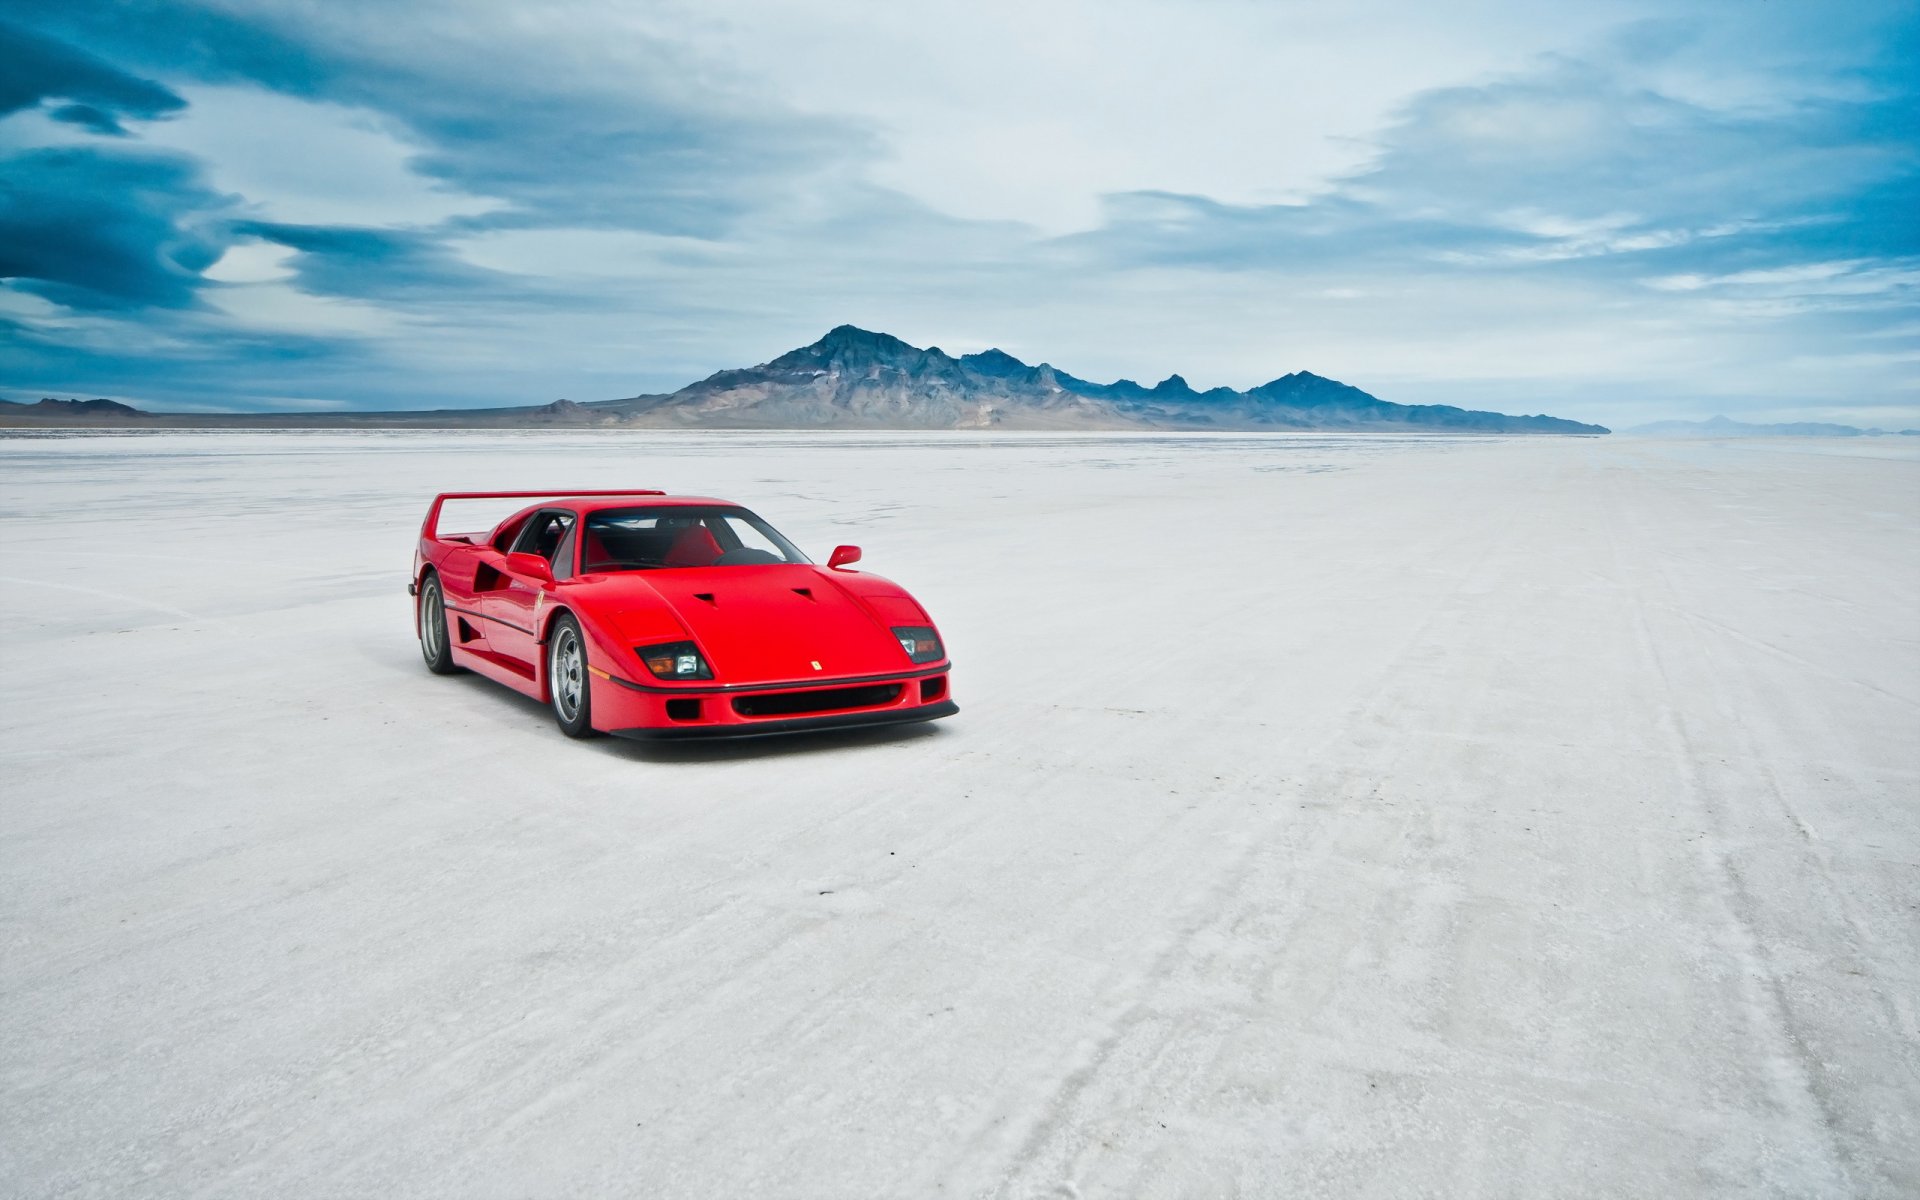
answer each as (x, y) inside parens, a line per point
(433, 627)
(567, 680)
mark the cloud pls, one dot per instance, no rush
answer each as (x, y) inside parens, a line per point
(1013, 111)
(94, 120)
(380, 264)
(90, 225)
(108, 230)
(38, 68)
(544, 113)
(1568, 162)
(303, 161)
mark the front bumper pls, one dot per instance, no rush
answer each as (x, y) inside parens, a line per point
(815, 724)
(656, 712)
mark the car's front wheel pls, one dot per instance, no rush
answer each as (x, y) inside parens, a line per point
(433, 627)
(567, 680)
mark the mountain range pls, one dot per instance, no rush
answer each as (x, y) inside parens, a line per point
(858, 379)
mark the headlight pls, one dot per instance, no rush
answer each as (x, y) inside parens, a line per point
(920, 642)
(675, 660)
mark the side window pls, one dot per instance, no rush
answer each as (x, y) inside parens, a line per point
(543, 534)
(563, 557)
(505, 537)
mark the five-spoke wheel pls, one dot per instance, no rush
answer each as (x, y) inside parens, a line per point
(433, 627)
(567, 679)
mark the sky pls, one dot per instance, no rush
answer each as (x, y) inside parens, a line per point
(1611, 210)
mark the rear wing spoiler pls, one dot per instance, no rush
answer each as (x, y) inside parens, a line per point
(430, 528)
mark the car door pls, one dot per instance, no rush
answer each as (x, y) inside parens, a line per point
(484, 573)
(513, 604)
(466, 627)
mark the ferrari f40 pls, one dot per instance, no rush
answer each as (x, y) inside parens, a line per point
(652, 616)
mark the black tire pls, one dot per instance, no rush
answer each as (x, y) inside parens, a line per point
(569, 685)
(434, 646)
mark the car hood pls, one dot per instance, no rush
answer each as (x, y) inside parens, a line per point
(777, 623)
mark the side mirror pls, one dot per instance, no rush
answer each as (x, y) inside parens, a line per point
(530, 566)
(842, 555)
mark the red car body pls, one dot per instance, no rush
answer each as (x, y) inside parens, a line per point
(781, 646)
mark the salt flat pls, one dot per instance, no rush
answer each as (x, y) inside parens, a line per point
(1326, 817)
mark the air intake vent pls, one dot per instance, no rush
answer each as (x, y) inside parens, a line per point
(682, 709)
(783, 704)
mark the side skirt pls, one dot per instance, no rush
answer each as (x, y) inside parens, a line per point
(501, 669)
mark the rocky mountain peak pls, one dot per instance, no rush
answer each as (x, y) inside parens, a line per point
(848, 348)
(994, 364)
(851, 339)
(1304, 388)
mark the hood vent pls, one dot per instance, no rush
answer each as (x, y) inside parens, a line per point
(708, 597)
(807, 592)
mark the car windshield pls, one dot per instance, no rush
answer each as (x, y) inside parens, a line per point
(678, 536)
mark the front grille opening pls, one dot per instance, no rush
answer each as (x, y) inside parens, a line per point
(782, 704)
(683, 710)
(933, 689)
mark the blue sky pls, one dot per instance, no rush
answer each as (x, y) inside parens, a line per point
(1614, 211)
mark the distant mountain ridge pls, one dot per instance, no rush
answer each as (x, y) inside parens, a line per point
(858, 379)
(89, 412)
(1728, 427)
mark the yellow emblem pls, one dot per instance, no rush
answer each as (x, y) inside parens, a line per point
(816, 666)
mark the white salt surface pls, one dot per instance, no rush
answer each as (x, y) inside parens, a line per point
(1326, 817)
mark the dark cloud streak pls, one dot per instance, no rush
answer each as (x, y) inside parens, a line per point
(34, 68)
(93, 229)
(390, 265)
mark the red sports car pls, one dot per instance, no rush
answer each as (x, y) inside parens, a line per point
(653, 616)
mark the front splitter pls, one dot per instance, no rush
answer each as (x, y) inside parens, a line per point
(821, 724)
